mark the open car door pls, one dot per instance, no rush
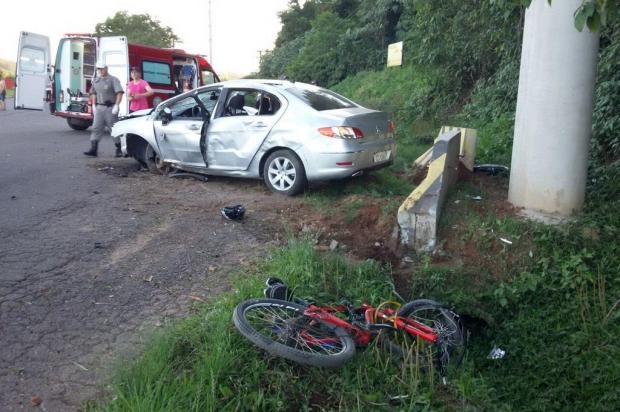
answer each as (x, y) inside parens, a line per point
(179, 136)
(33, 71)
(113, 51)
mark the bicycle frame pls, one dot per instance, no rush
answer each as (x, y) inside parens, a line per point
(328, 336)
(363, 335)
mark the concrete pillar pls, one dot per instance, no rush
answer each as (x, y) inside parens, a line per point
(554, 110)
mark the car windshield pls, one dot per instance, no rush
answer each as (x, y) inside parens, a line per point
(321, 99)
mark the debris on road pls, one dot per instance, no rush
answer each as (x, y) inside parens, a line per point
(236, 212)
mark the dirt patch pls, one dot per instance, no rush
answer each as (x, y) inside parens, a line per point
(360, 226)
(365, 227)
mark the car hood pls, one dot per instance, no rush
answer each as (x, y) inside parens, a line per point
(137, 113)
(141, 125)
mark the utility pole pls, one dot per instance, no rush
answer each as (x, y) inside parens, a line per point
(261, 53)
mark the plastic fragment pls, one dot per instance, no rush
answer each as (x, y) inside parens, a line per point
(497, 353)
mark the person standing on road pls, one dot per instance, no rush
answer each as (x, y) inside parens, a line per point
(2, 92)
(106, 95)
(138, 91)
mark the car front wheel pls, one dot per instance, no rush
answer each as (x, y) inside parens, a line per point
(153, 161)
(284, 173)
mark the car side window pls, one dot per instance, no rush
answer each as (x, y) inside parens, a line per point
(236, 103)
(187, 108)
(250, 102)
(267, 104)
(209, 99)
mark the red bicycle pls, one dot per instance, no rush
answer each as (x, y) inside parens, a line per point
(328, 335)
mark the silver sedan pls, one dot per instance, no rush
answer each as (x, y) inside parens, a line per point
(286, 133)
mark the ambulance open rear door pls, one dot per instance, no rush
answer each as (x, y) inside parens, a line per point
(33, 71)
(114, 52)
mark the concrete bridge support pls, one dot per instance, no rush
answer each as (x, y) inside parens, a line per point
(554, 111)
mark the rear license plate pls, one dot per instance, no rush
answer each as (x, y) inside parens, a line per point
(382, 156)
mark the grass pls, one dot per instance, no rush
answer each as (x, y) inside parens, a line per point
(203, 364)
(551, 301)
(556, 317)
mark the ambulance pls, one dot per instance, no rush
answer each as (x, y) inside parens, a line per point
(63, 85)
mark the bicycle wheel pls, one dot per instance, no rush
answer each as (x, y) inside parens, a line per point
(281, 329)
(445, 354)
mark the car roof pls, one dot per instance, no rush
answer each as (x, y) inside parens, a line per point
(281, 84)
(274, 82)
(286, 88)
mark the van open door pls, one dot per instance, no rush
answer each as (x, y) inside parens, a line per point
(114, 52)
(32, 71)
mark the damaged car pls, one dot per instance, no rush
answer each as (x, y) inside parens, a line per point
(286, 133)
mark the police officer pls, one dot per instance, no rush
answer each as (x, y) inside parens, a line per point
(106, 95)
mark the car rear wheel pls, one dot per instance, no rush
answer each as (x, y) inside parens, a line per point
(284, 173)
(153, 161)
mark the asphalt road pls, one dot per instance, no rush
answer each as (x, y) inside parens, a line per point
(96, 254)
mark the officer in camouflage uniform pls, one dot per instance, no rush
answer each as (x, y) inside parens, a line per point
(106, 95)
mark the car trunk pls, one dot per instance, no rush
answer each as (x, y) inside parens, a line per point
(374, 124)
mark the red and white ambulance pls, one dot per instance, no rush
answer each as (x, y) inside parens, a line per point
(65, 83)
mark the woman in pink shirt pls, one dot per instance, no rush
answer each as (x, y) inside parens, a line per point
(138, 91)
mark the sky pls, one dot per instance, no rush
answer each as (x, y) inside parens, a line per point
(241, 29)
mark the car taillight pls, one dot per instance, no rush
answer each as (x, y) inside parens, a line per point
(342, 132)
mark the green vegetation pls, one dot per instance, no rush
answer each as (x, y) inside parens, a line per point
(550, 299)
(139, 28)
(556, 315)
(203, 364)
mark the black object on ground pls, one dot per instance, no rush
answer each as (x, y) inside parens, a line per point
(492, 169)
(233, 212)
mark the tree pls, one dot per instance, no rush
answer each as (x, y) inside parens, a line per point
(327, 40)
(138, 28)
(595, 14)
(273, 64)
(468, 37)
(317, 61)
(373, 28)
(296, 20)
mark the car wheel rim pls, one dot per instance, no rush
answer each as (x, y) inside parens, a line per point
(158, 162)
(282, 173)
(154, 158)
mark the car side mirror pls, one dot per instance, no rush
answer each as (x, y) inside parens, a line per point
(166, 116)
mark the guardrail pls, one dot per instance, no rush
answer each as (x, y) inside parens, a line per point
(419, 214)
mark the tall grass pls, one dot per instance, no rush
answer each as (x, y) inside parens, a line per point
(203, 364)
